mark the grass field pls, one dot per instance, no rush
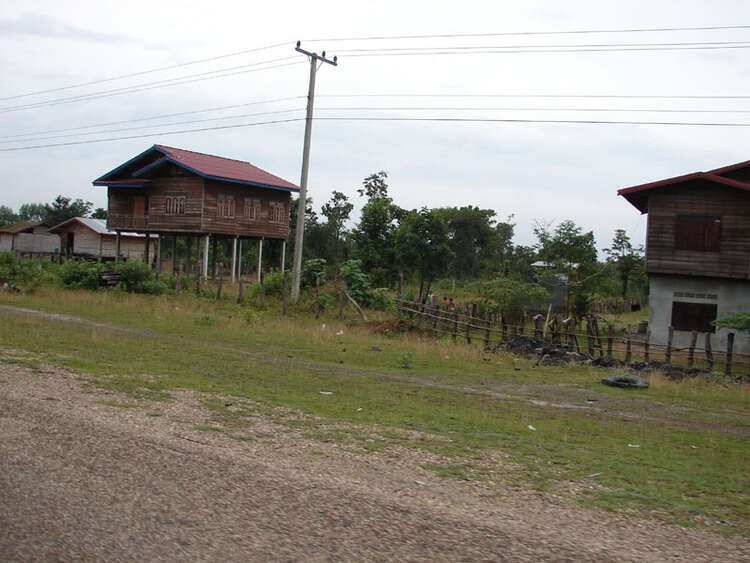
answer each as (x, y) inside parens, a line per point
(678, 451)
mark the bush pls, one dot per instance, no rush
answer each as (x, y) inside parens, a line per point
(137, 277)
(24, 276)
(76, 274)
(314, 268)
(356, 280)
(272, 283)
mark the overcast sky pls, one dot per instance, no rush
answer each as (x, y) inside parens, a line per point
(536, 171)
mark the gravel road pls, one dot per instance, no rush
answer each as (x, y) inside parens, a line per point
(81, 480)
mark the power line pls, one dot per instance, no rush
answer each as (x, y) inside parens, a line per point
(552, 32)
(592, 96)
(532, 46)
(392, 119)
(162, 116)
(571, 121)
(188, 122)
(89, 141)
(141, 73)
(153, 85)
(378, 53)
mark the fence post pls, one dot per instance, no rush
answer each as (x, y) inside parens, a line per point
(709, 352)
(284, 282)
(668, 352)
(400, 295)
(628, 348)
(538, 325)
(317, 295)
(647, 347)
(470, 319)
(728, 363)
(589, 336)
(486, 330)
(610, 339)
(342, 289)
(221, 277)
(691, 349)
(455, 325)
(239, 290)
(503, 327)
(178, 281)
(521, 326)
(260, 290)
(572, 334)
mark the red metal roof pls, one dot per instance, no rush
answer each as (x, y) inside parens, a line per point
(205, 165)
(226, 168)
(638, 195)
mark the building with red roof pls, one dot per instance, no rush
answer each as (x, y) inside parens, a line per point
(697, 251)
(170, 191)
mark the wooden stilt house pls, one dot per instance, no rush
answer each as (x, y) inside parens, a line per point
(171, 191)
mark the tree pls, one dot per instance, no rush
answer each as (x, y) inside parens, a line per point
(626, 259)
(336, 212)
(7, 217)
(422, 246)
(99, 213)
(63, 209)
(374, 236)
(513, 296)
(32, 212)
(736, 321)
(471, 232)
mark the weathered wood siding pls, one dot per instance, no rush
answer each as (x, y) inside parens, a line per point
(37, 243)
(91, 244)
(6, 241)
(731, 205)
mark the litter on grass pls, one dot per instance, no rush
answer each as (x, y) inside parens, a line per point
(531, 427)
(326, 393)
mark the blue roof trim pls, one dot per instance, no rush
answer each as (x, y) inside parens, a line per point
(150, 166)
(123, 165)
(134, 185)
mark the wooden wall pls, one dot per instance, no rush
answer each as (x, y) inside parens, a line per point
(240, 225)
(200, 207)
(699, 198)
(90, 243)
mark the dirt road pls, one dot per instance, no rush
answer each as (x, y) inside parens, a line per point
(85, 480)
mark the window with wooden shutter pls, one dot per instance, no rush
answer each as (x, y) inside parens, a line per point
(693, 316)
(698, 232)
(277, 212)
(174, 203)
(225, 206)
(252, 209)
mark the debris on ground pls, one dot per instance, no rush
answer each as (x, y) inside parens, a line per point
(625, 381)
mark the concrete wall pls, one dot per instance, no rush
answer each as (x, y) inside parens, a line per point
(731, 296)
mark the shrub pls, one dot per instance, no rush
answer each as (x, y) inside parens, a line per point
(24, 276)
(272, 283)
(76, 274)
(137, 277)
(356, 280)
(314, 268)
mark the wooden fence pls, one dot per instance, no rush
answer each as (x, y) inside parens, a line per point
(577, 335)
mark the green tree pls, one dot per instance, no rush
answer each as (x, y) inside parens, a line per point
(736, 321)
(336, 212)
(512, 297)
(63, 208)
(7, 217)
(472, 234)
(374, 235)
(626, 259)
(422, 246)
(32, 212)
(99, 213)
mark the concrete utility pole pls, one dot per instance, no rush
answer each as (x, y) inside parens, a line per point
(300, 229)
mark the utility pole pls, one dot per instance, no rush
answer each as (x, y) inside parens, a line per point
(300, 228)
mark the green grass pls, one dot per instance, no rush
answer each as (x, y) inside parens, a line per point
(682, 463)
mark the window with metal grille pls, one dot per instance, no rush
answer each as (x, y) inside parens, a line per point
(693, 316)
(252, 209)
(277, 212)
(174, 204)
(698, 232)
(225, 206)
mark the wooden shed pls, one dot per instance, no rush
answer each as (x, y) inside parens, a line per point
(28, 237)
(89, 238)
(166, 190)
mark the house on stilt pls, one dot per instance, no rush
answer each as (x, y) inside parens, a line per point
(181, 193)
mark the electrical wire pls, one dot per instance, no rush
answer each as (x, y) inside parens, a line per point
(141, 73)
(612, 96)
(162, 116)
(188, 122)
(519, 33)
(90, 141)
(157, 84)
(391, 119)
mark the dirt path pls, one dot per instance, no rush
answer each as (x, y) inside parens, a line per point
(490, 388)
(82, 480)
